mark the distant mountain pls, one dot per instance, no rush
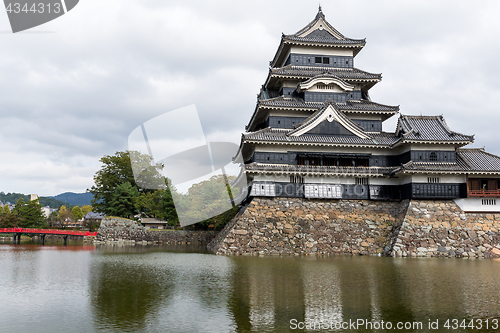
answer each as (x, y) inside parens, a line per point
(44, 201)
(77, 199)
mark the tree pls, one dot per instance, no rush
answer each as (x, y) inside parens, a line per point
(122, 200)
(63, 214)
(158, 204)
(117, 170)
(30, 214)
(52, 219)
(207, 202)
(76, 213)
(7, 220)
(86, 209)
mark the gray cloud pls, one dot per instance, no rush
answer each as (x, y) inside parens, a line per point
(70, 97)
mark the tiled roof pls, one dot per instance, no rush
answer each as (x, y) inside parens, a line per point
(325, 40)
(432, 166)
(322, 75)
(315, 169)
(365, 105)
(478, 159)
(311, 71)
(285, 102)
(353, 105)
(382, 139)
(428, 128)
(469, 160)
(341, 40)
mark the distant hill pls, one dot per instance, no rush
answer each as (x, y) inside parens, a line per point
(69, 199)
(44, 201)
(77, 199)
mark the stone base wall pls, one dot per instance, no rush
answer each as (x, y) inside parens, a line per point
(423, 228)
(118, 230)
(441, 229)
(293, 226)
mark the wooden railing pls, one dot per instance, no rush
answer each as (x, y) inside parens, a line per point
(484, 193)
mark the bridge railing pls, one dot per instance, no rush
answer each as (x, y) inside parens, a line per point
(47, 231)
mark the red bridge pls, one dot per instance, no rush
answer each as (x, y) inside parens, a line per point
(42, 232)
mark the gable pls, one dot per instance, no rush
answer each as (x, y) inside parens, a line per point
(330, 128)
(318, 27)
(329, 121)
(321, 33)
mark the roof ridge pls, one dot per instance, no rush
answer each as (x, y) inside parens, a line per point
(443, 123)
(472, 148)
(482, 150)
(320, 15)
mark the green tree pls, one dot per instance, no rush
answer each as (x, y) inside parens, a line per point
(52, 220)
(30, 214)
(122, 200)
(117, 170)
(7, 219)
(76, 213)
(158, 204)
(86, 209)
(207, 198)
(63, 214)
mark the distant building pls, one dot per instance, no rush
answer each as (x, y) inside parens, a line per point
(152, 223)
(93, 217)
(33, 197)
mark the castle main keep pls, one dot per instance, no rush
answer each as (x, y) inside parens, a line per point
(325, 178)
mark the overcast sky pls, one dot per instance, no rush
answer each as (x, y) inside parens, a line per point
(72, 90)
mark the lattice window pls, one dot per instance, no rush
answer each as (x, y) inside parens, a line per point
(434, 180)
(296, 179)
(488, 202)
(361, 181)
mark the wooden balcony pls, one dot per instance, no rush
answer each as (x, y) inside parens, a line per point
(484, 193)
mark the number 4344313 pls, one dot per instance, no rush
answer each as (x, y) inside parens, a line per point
(36, 8)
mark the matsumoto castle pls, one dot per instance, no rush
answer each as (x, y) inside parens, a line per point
(316, 133)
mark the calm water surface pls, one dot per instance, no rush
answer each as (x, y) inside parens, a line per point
(166, 289)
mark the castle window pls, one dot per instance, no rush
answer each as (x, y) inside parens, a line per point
(361, 181)
(488, 202)
(433, 157)
(433, 180)
(296, 179)
(326, 60)
(317, 60)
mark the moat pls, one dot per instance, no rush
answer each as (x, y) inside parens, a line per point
(86, 288)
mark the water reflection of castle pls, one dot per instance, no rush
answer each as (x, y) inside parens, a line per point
(316, 133)
(203, 293)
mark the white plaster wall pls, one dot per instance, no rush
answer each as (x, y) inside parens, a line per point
(476, 205)
(443, 178)
(406, 179)
(291, 83)
(321, 51)
(431, 147)
(384, 181)
(336, 89)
